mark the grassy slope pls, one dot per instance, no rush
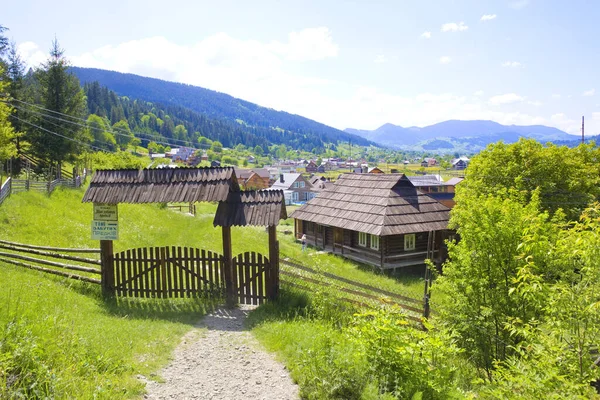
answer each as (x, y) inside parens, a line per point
(96, 347)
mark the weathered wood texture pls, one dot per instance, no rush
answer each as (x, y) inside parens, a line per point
(254, 208)
(250, 272)
(378, 204)
(5, 190)
(168, 272)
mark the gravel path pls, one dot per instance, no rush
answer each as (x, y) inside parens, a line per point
(222, 362)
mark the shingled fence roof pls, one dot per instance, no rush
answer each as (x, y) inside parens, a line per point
(188, 185)
(254, 207)
(163, 185)
(378, 204)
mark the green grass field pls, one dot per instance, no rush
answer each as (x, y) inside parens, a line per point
(59, 338)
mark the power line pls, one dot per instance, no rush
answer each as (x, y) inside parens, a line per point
(58, 134)
(114, 131)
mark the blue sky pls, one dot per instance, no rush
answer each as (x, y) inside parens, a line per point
(356, 64)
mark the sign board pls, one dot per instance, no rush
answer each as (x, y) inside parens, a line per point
(105, 230)
(105, 212)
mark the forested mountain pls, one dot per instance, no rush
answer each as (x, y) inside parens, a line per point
(458, 135)
(214, 113)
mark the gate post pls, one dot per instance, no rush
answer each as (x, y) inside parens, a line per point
(273, 272)
(107, 268)
(228, 267)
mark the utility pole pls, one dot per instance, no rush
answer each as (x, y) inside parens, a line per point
(582, 129)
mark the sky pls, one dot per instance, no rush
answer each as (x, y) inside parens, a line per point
(348, 64)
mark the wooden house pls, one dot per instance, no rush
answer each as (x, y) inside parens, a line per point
(375, 170)
(311, 166)
(378, 219)
(428, 162)
(253, 179)
(460, 163)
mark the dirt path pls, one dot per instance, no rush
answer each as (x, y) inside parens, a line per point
(222, 362)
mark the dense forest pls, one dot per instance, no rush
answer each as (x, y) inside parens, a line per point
(241, 119)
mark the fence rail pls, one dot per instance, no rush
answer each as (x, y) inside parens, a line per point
(302, 277)
(14, 255)
(5, 190)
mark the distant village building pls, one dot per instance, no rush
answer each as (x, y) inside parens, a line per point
(460, 163)
(429, 162)
(375, 170)
(434, 186)
(253, 179)
(296, 184)
(311, 166)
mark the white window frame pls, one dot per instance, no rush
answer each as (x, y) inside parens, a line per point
(301, 184)
(410, 242)
(296, 185)
(362, 239)
(294, 196)
(375, 242)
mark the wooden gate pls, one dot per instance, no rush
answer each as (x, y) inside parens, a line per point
(168, 272)
(252, 276)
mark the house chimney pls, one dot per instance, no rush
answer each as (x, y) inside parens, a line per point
(281, 178)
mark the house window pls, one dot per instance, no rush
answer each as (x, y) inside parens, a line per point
(362, 239)
(301, 184)
(409, 242)
(375, 242)
(296, 184)
(295, 196)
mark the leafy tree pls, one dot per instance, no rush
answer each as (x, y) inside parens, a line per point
(482, 272)
(100, 131)
(123, 134)
(57, 140)
(567, 178)
(216, 146)
(7, 133)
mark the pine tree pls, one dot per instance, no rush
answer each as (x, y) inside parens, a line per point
(57, 140)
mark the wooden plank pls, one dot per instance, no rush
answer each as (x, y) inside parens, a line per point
(123, 275)
(239, 282)
(54, 264)
(52, 255)
(170, 268)
(204, 274)
(256, 261)
(163, 271)
(211, 271)
(185, 282)
(51, 271)
(66, 250)
(129, 274)
(137, 270)
(144, 266)
(246, 268)
(260, 283)
(153, 272)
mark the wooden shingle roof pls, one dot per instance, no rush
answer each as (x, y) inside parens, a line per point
(161, 185)
(253, 207)
(378, 204)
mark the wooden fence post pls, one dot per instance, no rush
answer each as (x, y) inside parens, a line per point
(273, 272)
(107, 268)
(228, 267)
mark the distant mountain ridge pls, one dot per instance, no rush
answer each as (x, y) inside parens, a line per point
(458, 135)
(277, 127)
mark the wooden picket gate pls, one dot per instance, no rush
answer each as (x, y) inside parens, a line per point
(168, 272)
(177, 272)
(252, 278)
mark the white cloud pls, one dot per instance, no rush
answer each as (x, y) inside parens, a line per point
(590, 92)
(308, 44)
(380, 59)
(478, 93)
(556, 96)
(445, 60)
(266, 73)
(454, 27)
(488, 17)
(518, 4)
(596, 116)
(508, 98)
(512, 64)
(31, 54)
(536, 103)
(426, 35)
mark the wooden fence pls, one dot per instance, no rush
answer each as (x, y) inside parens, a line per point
(251, 276)
(305, 278)
(5, 190)
(167, 272)
(39, 258)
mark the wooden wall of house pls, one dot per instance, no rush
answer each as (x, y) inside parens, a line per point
(395, 244)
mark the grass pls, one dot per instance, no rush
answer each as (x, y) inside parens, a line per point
(61, 339)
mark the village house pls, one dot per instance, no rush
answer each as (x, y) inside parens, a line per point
(460, 163)
(296, 187)
(311, 166)
(253, 179)
(377, 219)
(428, 162)
(435, 187)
